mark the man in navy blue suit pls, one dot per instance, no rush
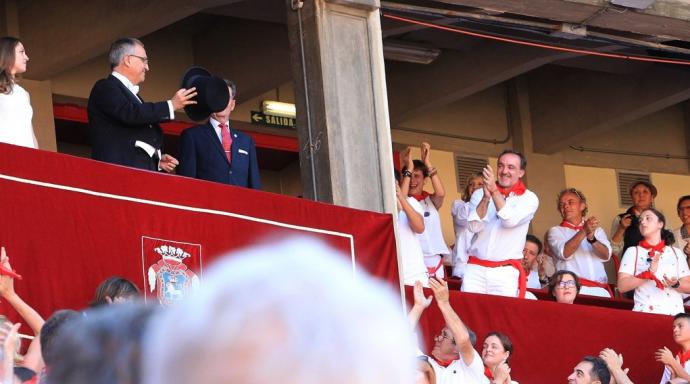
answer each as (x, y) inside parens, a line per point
(216, 152)
(124, 128)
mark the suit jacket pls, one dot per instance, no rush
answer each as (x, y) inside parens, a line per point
(118, 118)
(202, 156)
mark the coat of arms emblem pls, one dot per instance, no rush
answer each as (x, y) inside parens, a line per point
(170, 275)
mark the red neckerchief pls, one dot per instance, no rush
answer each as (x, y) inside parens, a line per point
(517, 189)
(422, 196)
(10, 273)
(653, 249)
(568, 224)
(683, 357)
(443, 363)
(487, 372)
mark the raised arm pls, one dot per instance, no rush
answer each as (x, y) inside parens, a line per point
(30, 316)
(420, 304)
(460, 333)
(439, 191)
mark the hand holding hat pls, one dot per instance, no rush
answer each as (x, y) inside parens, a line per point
(208, 93)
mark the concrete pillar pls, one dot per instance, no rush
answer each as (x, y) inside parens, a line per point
(342, 113)
(546, 171)
(43, 121)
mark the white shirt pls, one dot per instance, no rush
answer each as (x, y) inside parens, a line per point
(680, 241)
(584, 261)
(649, 298)
(431, 239)
(460, 373)
(412, 259)
(135, 91)
(15, 118)
(533, 280)
(667, 372)
(460, 210)
(501, 235)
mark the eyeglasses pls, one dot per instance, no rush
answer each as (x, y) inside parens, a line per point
(444, 335)
(566, 284)
(145, 60)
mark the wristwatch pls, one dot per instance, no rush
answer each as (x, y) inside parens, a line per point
(676, 285)
(594, 240)
(406, 173)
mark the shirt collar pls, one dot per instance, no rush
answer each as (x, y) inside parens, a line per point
(125, 81)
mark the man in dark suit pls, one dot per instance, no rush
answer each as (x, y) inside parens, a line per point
(124, 128)
(215, 152)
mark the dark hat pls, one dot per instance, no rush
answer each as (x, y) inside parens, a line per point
(646, 183)
(212, 93)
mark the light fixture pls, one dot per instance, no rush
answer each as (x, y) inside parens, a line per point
(636, 4)
(277, 108)
(409, 53)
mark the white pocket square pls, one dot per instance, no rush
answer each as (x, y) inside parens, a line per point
(242, 151)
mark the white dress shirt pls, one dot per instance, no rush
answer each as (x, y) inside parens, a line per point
(584, 261)
(501, 235)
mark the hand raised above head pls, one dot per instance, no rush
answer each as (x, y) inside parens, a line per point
(440, 289)
(183, 97)
(426, 153)
(489, 178)
(419, 298)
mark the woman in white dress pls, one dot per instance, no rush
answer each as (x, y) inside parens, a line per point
(15, 106)
(657, 271)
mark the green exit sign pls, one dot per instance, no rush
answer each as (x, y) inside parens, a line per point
(273, 121)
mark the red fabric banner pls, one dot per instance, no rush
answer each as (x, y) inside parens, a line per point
(68, 223)
(549, 338)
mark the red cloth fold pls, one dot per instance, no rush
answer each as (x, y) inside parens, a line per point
(647, 275)
(487, 372)
(517, 189)
(515, 263)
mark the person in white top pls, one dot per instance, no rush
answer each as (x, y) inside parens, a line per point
(410, 223)
(532, 261)
(579, 244)
(677, 366)
(460, 210)
(453, 356)
(15, 106)
(657, 272)
(433, 245)
(682, 233)
(500, 214)
(496, 352)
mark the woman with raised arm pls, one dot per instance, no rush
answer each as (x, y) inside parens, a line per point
(15, 106)
(656, 271)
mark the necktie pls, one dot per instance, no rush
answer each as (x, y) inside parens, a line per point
(226, 139)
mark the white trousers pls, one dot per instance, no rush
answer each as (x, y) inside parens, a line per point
(502, 281)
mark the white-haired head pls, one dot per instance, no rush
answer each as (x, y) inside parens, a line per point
(290, 312)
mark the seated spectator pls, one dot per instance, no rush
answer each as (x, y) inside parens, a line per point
(289, 312)
(102, 347)
(496, 352)
(682, 233)
(532, 262)
(657, 271)
(564, 286)
(677, 366)
(433, 244)
(591, 370)
(580, 245)
(453, 356)
(32, 359)
(114, 290)
(410, 223)
(460, 211)
(9, 343)
(614, 362)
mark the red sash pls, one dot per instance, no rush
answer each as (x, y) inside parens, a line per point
(487, 372)
(517, 188)
(515, 263)
(591, 283)
(647, 275)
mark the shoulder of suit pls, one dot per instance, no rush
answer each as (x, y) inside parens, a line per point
(195, 129)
